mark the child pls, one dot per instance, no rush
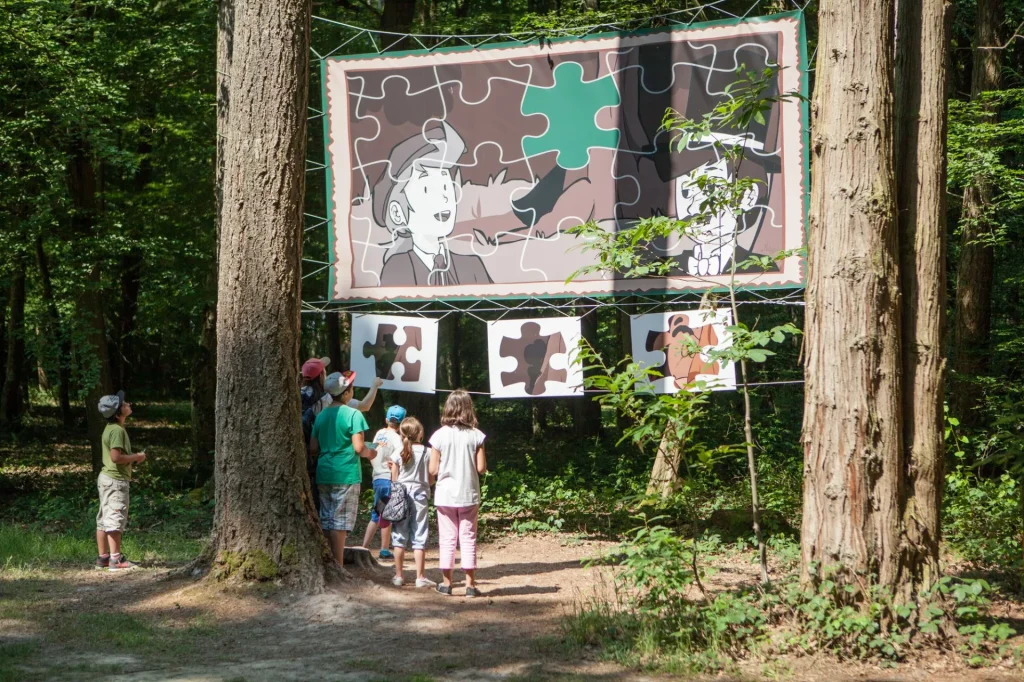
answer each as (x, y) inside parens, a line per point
(337, 442)
(409, 467)
(388, 442)
(457, 458)
(113, 483)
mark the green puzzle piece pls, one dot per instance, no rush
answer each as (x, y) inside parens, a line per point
(571, 106)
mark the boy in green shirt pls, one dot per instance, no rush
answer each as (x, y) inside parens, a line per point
(113, 483)
(337, 441)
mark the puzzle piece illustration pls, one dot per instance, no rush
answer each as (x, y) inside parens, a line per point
(387, 353)
(571, 107)
(679, 364)
(533, 351)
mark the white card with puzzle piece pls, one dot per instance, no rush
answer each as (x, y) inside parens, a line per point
(660, 341)
(401, 350)
(534, 358)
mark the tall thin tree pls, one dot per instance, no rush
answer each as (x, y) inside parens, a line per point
(922, 60)
(974, 280)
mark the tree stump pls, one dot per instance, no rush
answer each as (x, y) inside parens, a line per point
(360, 558)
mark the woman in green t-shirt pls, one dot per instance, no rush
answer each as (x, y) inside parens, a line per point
(337, 441)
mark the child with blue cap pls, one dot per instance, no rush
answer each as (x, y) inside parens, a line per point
(389, 442)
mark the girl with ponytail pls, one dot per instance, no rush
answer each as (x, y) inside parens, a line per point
(409, 467)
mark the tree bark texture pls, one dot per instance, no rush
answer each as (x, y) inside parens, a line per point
(922, 61)
(56, 332)
(14, 374)
(973, 315)
(334, 342)
(264, 524)
(852, 432)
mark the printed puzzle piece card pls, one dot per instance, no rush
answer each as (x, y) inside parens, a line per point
(662, 341)
(534, 358)
(400, 350)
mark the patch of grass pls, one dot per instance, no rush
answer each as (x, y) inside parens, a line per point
(28, 547)
(369, 664)
(13, 654)
(118, 630)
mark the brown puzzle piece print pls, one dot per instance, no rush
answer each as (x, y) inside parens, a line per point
(679, 365)
(533, 352)
(386, 352)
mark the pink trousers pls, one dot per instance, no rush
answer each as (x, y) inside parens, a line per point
(457, 525)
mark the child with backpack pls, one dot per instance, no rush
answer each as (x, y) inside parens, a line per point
(388, 442)
(457, 459)
(409, 468)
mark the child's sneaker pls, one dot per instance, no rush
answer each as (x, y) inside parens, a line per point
(398, 581)
(425, 582)
(102, 563)
(121, 564)
(386, 555)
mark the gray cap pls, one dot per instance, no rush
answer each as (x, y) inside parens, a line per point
(110, 404)
(338, 382)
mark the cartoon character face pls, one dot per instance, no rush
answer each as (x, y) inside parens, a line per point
(430, 192)
(715, 235)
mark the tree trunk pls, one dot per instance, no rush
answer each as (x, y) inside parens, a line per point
(852, 432)
(203, 384)
(922, 60)
(334, 340)
(11, 407)
(82, 184)
(265, 525)
(973, 316)
(56, 332)
(130, 276)
(586, 410)
(665, 472)
(203, 387)
(397, 17)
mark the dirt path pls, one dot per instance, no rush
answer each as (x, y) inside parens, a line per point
(368, 630)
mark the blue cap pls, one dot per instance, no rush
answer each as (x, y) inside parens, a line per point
(396, 413)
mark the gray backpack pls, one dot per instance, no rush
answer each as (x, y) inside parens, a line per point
(398, 506)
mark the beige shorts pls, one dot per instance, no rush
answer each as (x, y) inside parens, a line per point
(113, 514)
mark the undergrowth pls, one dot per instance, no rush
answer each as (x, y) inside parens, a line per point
(662, 617)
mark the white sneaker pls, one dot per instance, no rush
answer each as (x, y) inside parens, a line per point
(425, 582)
(398, 582)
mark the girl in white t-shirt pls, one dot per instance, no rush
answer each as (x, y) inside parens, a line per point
(457, 459)
(409, 467)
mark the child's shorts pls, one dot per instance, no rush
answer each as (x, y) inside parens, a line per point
(113, 514)
(339, 506)
(381, 493)
(415, 528)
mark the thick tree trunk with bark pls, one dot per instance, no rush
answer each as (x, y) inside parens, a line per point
(265, 525)
(973, 315)
(852, 431)
(56, 333)
(922, 58)
(14, 374)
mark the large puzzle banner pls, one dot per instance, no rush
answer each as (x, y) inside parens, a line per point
(663, 341)
(400, 350)
(457, 173)
(534, 358)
